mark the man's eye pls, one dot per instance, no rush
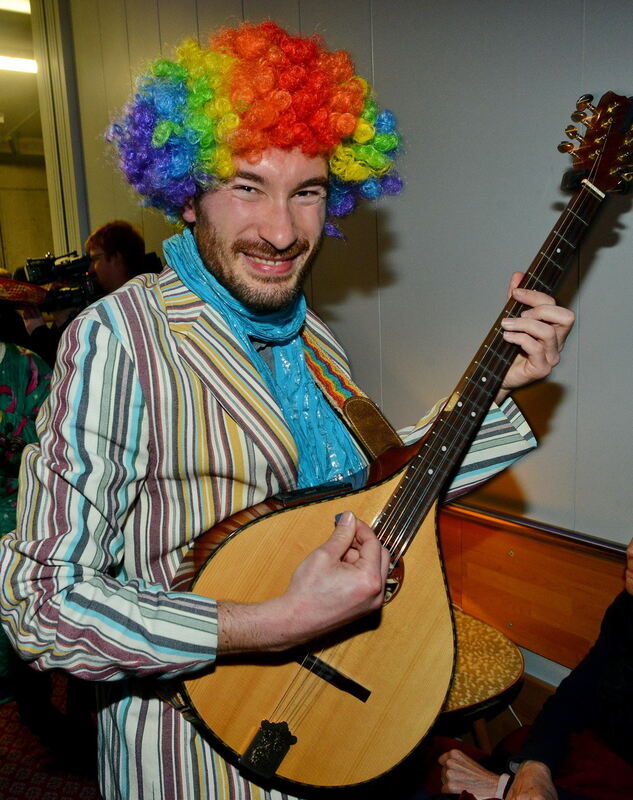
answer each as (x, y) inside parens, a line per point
(311, 195)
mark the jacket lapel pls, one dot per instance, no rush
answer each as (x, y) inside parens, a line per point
(211, 351)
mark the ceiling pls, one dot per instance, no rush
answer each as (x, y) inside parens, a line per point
(20, 126)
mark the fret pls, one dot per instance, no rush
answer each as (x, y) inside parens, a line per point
(562, 238)
(551, 261)
(544, 284)
(579, 218)
(502, 357)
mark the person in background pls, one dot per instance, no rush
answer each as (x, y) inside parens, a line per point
(580, 746)
(117, 254)
(24, 384)
(185, 397)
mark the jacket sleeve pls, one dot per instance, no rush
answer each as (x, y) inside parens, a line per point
(502, 439)
(66, 600)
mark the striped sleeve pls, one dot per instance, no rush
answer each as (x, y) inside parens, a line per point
(503, 438)
(65, 597)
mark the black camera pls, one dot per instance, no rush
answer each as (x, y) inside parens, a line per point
(56, 268)
(80, 288)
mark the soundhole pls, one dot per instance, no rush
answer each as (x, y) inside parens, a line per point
(394, 580)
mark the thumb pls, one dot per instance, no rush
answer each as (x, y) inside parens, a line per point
(343, 535)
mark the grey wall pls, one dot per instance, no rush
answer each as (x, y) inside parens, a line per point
(483, 90)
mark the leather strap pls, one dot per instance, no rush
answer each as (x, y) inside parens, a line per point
(369, 425)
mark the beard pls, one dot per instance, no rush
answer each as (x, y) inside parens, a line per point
(266, 293)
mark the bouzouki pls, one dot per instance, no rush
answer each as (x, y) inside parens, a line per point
(353, 705)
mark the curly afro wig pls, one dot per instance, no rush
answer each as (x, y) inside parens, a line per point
(255, 87)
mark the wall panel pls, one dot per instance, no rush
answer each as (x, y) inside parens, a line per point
(483, 91)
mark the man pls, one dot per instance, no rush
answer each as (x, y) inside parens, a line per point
(116, 252)
(186, 397)
(580, 746)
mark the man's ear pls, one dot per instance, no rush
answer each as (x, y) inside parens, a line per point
(189, 211)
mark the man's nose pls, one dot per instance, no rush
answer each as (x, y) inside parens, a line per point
(277, 226)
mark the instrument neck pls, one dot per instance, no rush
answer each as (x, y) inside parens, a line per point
(454, 429)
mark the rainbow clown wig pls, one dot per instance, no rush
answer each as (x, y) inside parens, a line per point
(255, 87)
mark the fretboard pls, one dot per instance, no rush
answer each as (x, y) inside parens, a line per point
(455, 427)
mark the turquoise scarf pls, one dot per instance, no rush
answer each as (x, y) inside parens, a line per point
(326, 449)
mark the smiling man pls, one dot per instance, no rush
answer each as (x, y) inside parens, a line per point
(259, 232)
(183, 398)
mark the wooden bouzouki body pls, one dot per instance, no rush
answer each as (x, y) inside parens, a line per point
(348, 709)
(387, 664)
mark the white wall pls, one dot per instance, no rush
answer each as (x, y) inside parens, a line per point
(483, 90)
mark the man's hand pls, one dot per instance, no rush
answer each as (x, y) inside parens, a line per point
(340, 581)
(533, 781)
(460, 773)
(540, 332)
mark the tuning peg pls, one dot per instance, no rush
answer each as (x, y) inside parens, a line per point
(584, 102)
(567, 147)
(580, 116)
(572, 132)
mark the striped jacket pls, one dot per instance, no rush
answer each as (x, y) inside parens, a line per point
(158, 426)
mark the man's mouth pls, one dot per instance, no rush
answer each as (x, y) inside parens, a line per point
(270, 266)
(269, 262)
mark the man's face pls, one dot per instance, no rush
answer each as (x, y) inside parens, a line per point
(628, 576)
(258, 232)
(109, 272)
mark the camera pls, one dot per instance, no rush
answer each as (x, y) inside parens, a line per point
(79, 289)
(56, 268)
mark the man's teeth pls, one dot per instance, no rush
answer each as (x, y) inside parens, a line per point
(268, 262)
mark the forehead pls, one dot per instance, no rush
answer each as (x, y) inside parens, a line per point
(282, 168)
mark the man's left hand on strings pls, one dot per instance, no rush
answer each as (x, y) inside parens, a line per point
(540, 332)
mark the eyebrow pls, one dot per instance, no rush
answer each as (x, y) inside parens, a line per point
(256, 178)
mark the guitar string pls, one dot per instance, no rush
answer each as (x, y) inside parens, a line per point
(291, 708)
(583, 200)
(398, 520)
(394, 520)
(300, 693)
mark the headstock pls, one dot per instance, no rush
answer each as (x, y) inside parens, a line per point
(603, 153)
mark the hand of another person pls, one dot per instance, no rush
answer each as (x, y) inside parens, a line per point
(340, 581)
(32, 317)
(460, 773)
(533, 781)
(540, 332)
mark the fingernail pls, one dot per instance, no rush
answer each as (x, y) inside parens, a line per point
(344, 518)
